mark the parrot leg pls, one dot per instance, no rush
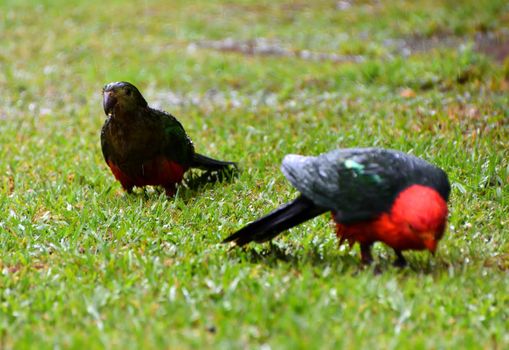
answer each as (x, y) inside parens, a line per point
(400, 259)
(170, 190)
(366, 256)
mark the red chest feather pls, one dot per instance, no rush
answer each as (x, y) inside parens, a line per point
(416, 221)
(156, 172)
(382, 229)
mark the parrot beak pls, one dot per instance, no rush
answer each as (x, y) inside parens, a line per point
(109, 102)
(430, 242)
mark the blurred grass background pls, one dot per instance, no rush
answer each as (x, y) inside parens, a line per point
(84, 265)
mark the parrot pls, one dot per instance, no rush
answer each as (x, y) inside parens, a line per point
(145, 146)
(373, 195)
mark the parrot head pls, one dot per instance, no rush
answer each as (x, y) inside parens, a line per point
(122, 95)
(421, 213)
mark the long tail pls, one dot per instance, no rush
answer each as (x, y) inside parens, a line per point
(281, 219)
(206, 163)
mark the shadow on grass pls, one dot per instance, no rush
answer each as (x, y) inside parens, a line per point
(273, 255)
(194, 182)
(197, 180)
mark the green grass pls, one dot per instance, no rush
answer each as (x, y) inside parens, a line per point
(85, 266)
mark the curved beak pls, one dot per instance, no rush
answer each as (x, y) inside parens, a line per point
(430, 241)
(109, 102)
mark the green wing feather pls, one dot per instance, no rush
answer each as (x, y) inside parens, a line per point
(176, 145)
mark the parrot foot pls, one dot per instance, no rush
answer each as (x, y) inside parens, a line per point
(366, 256)
(400, 259)
(170, 190)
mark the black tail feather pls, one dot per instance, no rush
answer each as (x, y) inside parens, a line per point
(206, 163)
(281, 219)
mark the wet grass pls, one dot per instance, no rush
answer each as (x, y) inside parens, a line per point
(84, 265)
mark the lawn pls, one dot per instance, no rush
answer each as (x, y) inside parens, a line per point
(84, 265)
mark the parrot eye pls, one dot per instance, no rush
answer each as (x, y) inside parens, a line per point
(128, 92)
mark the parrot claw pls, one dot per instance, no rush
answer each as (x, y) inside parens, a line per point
(400, 260)
(366, 256)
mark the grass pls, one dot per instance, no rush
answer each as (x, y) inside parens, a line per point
(86, 266)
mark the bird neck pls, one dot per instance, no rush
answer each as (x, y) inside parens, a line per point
(121, 114)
